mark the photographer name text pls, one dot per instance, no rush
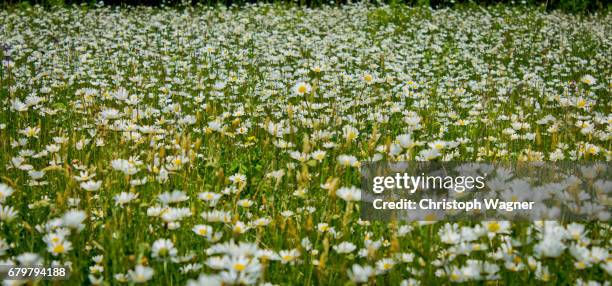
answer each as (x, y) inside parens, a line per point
(430, 204)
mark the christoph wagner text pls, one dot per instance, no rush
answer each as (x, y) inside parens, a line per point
(429, 204)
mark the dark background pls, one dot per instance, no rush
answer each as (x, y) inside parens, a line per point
(572, 6)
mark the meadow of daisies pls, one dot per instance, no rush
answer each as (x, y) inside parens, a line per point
(209, 146)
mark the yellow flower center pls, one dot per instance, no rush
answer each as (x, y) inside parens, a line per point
(494, 227)
(351, 135)
(302, 89)
(59, 248)
(239, 267)
(454, 277)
